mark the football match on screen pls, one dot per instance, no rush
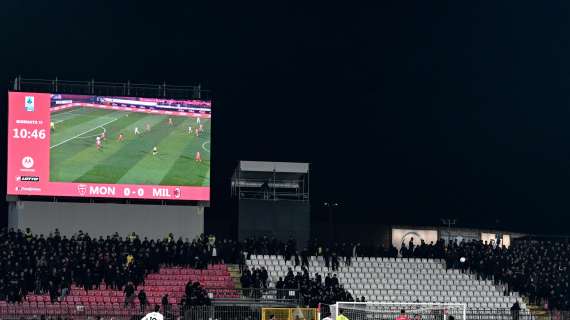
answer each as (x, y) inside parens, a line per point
(125, 144)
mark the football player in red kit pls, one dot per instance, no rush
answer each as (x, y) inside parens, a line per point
(198, 157)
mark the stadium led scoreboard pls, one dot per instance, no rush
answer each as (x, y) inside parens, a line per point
(66, 145)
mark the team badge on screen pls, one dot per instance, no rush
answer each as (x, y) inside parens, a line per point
(82, 189)
(29, 103)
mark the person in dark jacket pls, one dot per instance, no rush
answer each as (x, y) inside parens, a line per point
(142, 300)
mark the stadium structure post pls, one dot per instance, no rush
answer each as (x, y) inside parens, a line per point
(448, 223)
(239, 185)
(16, 83)
(274, 195)
(309, 185)
(164, 88)
(128, 87)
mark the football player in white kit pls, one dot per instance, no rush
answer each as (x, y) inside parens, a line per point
(190, 129)
(98, 142)
(137, 131)
(198, 120)
(155, 315)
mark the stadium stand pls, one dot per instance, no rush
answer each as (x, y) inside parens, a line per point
(399, 280)
(171, 281)
(80, 270)
(312, 290)
(536, 268)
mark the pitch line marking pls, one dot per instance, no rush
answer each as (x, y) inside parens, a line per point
(95, 135)
(64, 141)
(204, 146)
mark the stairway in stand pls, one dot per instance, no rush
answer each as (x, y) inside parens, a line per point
(235, 274)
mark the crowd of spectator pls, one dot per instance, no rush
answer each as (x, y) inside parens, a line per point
(50, 264)
(315, 290)
(535, 268)
(309, 290)
(194, 295)
(256, 278)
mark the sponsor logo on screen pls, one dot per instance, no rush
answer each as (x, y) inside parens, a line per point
(29, 103)
(28, 178)
(28, 189)
(27, 162)
(177, 192)
(82, 189)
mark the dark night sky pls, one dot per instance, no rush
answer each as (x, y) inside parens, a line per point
(408, 112)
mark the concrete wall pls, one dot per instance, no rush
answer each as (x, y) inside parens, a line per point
(153, 221)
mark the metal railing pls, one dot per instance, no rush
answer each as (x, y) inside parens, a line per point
(249, 311)
(172, 312)
(92, 87)
(266, 295)
(390, 313)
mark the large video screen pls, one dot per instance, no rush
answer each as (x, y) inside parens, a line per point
(113, 147)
